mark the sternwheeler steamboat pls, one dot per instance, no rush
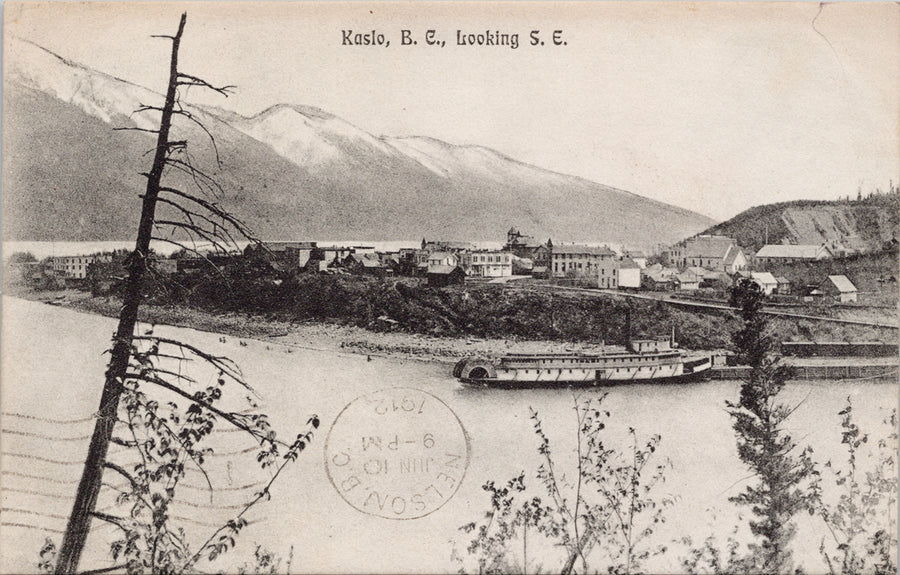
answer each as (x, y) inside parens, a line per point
(642, 361)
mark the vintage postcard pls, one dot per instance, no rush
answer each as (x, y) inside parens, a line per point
(450, 287)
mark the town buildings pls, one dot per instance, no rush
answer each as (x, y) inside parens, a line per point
(706, 264)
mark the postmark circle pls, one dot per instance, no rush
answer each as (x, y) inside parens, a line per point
(397, 453)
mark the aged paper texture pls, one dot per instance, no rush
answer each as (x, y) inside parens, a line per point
(449, 287)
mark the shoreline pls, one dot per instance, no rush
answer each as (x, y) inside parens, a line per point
(319, 336)
(348, 339)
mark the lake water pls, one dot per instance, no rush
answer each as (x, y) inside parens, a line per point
(52, 369)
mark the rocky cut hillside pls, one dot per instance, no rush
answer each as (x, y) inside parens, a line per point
(290, 172)
(863, 225)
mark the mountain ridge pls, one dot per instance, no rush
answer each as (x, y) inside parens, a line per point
(292, 170)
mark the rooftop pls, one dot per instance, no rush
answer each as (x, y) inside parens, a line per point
(580, 249)
(802, 251)
(709, 247)
(764, 277)
(842, 283)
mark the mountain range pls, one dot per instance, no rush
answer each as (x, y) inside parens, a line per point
(290, 172)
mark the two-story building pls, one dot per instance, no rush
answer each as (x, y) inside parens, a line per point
(76, 267)
(618, 273)
(487, 263)
(577, 260)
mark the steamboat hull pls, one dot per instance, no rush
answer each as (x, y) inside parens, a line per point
(526, 384)
(568, 370)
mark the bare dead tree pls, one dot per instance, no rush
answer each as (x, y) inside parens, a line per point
(201, 218)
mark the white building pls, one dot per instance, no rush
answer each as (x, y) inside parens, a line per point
(76, 267)
(766, 282)
(840, 288)
(488, 263)
(618, 274)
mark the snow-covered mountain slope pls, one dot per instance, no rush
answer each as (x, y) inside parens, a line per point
(290, 172)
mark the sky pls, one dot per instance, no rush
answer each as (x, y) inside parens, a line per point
(715, 107)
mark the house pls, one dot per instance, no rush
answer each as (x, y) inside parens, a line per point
(618, 274)
(699, 272)
(443, 276)
(840, 288)
(766, 282)
(541, 257)
(442, 259)
(686, 281)
(577, 260)
(750, 255)
(608, 274)
(718, 253)
(658, 278)
(366, 263)
(629, 274)
(786, 254)
(488, 263)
